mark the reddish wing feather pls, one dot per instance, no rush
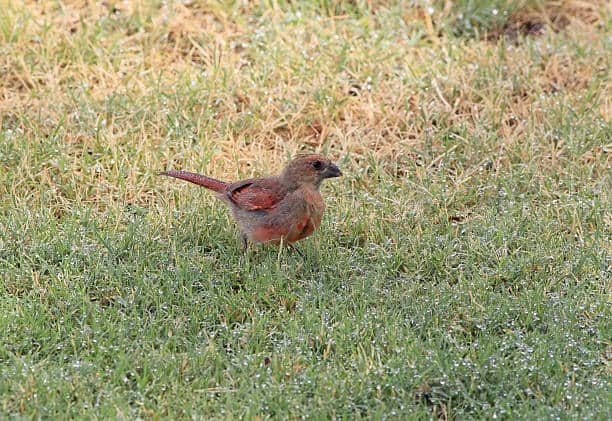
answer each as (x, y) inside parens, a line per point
(253, 197)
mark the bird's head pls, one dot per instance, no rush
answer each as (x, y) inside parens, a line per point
(310, 169)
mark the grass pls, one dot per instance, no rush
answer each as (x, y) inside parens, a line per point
(463, 267)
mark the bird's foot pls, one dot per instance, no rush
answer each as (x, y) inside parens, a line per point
(297, 250)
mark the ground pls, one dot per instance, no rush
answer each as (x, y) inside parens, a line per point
(463, 266)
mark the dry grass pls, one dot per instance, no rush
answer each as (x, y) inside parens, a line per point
(207, 86)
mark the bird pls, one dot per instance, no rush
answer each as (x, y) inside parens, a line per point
(284, 208)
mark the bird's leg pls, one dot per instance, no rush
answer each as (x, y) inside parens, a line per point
(245, 244)
(297, 250)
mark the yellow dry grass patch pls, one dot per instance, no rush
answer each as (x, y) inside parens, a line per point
(129, 88)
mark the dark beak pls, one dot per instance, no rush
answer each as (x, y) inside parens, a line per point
(332, 170)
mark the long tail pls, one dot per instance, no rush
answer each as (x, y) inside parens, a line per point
(200, 180)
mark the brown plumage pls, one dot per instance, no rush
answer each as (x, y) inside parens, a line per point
(285, 207)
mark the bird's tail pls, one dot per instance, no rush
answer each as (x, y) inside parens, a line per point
(200, 180)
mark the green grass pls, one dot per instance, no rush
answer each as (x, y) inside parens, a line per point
(464, 263)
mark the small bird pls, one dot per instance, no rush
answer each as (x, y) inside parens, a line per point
(287, 207)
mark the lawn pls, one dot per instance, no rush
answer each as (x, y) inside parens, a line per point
(463, 268)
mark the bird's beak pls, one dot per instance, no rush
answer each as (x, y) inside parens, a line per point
(332, 170)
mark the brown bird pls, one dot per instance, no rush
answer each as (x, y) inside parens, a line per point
(287, 207)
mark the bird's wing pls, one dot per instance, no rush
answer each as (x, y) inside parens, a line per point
(255, 194)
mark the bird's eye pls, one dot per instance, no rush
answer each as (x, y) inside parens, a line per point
(317, 165)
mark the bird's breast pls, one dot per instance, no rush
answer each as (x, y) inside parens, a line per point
(315, 203)
(310, 220)
(296, 217)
